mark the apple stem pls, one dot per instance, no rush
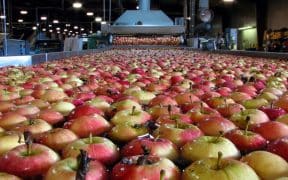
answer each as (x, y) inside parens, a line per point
(146, 150)
(221, 134)
(220, 155)
(31, 122)
(225, 102)
(201, 107)
(28, 141)
(90, 138)
(162, 174)
(83, 165)
(247, 125)
(190, 86)
(170, 111)
(272, 105)
(133, 110)
(190, 98)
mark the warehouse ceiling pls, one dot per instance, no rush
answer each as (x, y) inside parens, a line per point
(63, 11)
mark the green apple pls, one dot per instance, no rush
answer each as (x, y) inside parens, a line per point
(267, 165)
(255, 103)
(256, 117)
(208, 147)
(269, 96)
(100, 104)
(65, 108)
(220, 169)
(126, 104)
(143, 97)
(131, 116)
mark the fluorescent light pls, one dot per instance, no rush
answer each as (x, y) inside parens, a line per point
(98, 19)
(90, 14)
(23, 12)
(34, 28)
(228, 0)
(20, 20)
(103, 22)
(77, 5)
(76, 27)
(55, 21)
(43, 18)
(245, 28)
(2, 17)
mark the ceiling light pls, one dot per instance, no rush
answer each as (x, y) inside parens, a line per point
(50, 30)
(58, 32)
(77, 5)
(90, 14)
(23, 12)
(65, 30)
(43, 18)
(77, 32)
(55, 21)
(245, 28)
(70, 31)
(34, 28)
(50, 25)
(58, 28)
(68, 25)
(20, 20)
(44, 29)
(82, 29)
(98, 19)
(228, 0)
(76, 27)
(103, 22)
(137, 7)
(7, 24)
(90, 32)
(2, 16)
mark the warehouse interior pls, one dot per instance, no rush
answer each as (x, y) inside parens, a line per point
(244, 25)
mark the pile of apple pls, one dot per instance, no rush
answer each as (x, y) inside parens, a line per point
(168, 41)
(145, 115)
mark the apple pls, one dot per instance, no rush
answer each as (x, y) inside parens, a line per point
(28, 111)
(201, 114)
(28, 160)
(157, 111)
(63, 107)
(212, 126)
(219, 101)
(6, 106)
(85, 125)
(41, 104)
(143, 97)
(5, 176)
(208, 147)
(35, 126)
(51, 116)
(271, 130)
(238, 97)
(185, 98)
(260, 160)
(10, 119)
(255, 103)
(230, 109)
(173, 118)
(155, 147)
(246, 141)
(52, 96)
(131, 132)
(145, 167)
(57, 138)
(218, 168)
(283, 119)
(279, 147)
(162, 100)
(179, 133)
(80, 168)
(9, 140)
(126, 104)
(270, 97)
(98, 148)
(273, 112)
(256, 117)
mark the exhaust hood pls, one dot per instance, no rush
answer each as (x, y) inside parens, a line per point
(143, 21)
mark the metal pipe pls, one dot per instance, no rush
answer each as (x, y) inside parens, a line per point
(110, 9)
(104, 10)
(144, 5)
(5, 29)
(193, 17)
